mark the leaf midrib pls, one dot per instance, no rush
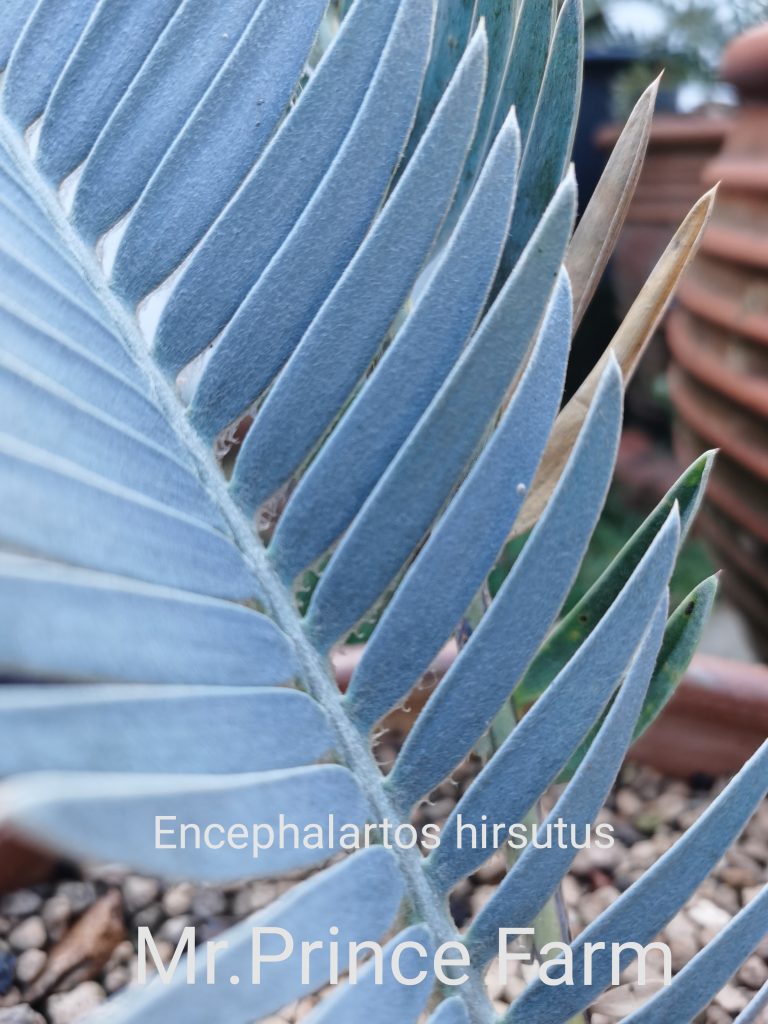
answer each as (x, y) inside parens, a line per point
(315, 678)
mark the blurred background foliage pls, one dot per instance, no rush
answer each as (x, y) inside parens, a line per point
(684, 38)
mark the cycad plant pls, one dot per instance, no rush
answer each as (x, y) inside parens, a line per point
(265, 264)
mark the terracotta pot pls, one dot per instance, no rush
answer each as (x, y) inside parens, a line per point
(719, 342)
(744, 63)
(717, 719)
(22, 863)
(714, 723)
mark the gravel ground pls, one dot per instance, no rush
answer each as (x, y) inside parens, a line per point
(66, 945)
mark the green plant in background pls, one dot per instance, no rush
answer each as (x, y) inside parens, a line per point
(684, 38)
(191, 241)
(698, 30)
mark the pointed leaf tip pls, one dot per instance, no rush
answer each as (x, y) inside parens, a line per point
(479, 40)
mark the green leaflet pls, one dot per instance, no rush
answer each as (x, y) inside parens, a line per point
(681, 638)
(576, 626)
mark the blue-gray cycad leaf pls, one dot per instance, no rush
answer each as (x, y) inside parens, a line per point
(39, 55)
(408, 376)
(527, 62)
(108, 55)
(43, 291)
(510, 34)
(46, 498)
(157, 104)
(212, 153)
(303, 271)
(12, 19)
(106, 379)
(174, 729)
(17, 201)
(222, 270)
(519, 618)
(526, 763)
(712, 967)
(441, 444)
(258, 196)
(550, 141)
(432, 597)
(121, 630)
(453, 30)
(25, 234)
(519, 38)
(751, 1014)
(36, 408)
(534, 877)
(348, 329)
(498, 17)
(640, 913)
(120, 812)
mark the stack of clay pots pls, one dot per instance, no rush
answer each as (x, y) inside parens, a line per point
(718, 336)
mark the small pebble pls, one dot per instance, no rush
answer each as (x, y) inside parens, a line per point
(178, 899)
(596, 858)
(123, 953)
(709, 917)
(171, 930)
(756, 850)
(116, 979)
(254, 897)
(21, 1014)
(754, 973)
(682, 937)
(150, 917)
(112, 875)
(70, 1007)
(79, 895)
(21, 903)
(29, 965)
(717, 1015)
(209, 903)
(29, 934)
(56, 914)
(732, 999)
(139, 892)
(11, 998)
(628, 803)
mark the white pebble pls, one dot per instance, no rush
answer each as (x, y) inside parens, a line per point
(29, 965)
(30, 934)
(70, 1007)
